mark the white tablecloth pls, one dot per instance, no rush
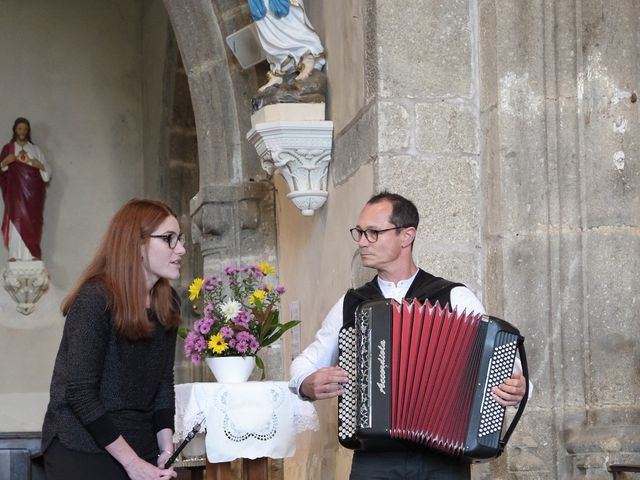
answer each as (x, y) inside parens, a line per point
(243, 420)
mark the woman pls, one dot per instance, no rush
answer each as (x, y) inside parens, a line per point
(111, 410)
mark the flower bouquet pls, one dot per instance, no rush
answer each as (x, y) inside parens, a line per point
(238, 317)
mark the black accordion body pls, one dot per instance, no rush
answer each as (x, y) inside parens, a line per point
(421, 376)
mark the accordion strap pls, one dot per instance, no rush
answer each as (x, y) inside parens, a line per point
(523, 402)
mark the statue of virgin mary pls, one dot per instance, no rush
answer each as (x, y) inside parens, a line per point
(288, 38)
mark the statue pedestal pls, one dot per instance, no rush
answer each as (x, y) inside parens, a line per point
(298, 149)
(25, 282)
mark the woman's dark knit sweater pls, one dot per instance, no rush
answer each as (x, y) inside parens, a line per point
(105, 385)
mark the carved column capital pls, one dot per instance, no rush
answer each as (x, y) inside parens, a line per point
(230, 221)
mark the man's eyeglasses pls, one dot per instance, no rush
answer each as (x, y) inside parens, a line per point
(171, 239)
(370, 234)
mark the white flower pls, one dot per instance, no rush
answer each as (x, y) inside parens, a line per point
(230, 309)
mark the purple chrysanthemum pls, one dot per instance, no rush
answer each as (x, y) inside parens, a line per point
(190, 339)
(210, 282)
(227, 332)
(242, 347)
(244, 337)
(201, 344)
(208, 311)
(255, 269)
(205, 325)
(242, 319)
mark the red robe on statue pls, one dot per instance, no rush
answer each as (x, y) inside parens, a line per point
(23, 192)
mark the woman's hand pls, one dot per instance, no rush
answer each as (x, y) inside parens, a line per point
(163, 457)
(138, 469)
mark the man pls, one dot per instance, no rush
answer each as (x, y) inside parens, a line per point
(23, 176)
(385, 233)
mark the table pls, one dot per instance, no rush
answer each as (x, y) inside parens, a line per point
(254, 421)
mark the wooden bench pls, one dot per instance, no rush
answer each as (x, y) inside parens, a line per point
(617, 468)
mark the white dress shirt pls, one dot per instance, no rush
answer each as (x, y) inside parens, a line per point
(323, 351)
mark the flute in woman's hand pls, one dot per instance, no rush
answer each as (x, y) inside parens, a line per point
(188, 438)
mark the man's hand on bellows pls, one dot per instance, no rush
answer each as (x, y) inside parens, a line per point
(511, 391)
(324, 383)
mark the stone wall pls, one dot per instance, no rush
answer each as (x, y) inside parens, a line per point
(512, 125)
(559, 125)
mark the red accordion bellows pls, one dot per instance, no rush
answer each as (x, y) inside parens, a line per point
(433, 373)
(421, 376)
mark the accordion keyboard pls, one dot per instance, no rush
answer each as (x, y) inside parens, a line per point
(348, 399)
(501, 366)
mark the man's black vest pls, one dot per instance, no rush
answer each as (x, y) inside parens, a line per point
(424, 287)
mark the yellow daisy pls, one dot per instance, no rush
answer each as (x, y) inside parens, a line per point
(194, 288)
(217, 344)
(257, 295)
(266, 268)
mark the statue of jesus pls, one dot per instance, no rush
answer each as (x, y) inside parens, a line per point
(24, 174)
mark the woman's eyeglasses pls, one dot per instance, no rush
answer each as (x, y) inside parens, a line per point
(171, 239)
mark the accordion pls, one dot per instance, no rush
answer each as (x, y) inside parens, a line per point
(421, 376)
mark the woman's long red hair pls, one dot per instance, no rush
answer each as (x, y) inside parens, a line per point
(117, 266)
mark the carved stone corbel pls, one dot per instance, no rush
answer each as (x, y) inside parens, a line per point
(26, 282)
(300, 151)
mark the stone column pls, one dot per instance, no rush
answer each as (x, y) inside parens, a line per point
(561, 235)
(235, 225)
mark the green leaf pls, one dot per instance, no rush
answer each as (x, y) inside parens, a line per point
(260, 365)
(183, 331)
(291, 324)
(281, 330)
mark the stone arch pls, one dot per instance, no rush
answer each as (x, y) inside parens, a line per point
(199, 37)
(233, 214)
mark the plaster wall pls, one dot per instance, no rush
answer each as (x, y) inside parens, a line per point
(155, 30)
(340, 24)
(315, 256)
(75, 70)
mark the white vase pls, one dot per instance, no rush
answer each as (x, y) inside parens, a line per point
(231, 369)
